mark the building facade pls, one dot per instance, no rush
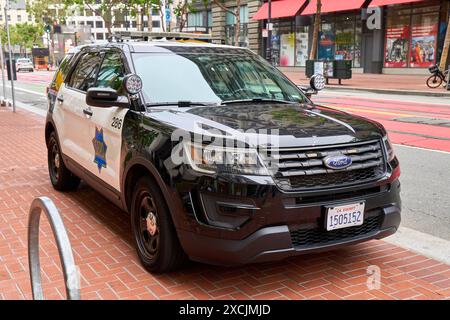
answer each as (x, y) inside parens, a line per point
(408, 37)
(17, 12)
(221, 23)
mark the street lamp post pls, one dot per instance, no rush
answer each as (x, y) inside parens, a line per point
(2, 61)
(269, 32)
(7, 7)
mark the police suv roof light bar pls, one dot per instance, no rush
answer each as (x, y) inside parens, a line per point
(146, 35)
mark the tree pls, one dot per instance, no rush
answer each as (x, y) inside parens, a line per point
(182, 8)
(102, 8)
(24, 35)
(237, 15)
(44, 11)
(315, 41)
(446, 49)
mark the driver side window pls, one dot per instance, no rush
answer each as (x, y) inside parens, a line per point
(111, 72)
(85, 72)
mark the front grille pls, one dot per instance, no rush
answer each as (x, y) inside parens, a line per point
(304, 169)
(319, 235)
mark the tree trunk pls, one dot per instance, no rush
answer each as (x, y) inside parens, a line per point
(315, 42)
(445, 50)
(138, 19)
(149, 17)
(162, 15)
(237, 26)
(172, 17)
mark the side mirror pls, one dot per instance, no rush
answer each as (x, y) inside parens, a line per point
(105, 98)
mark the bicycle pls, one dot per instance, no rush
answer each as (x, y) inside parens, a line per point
(438, 78)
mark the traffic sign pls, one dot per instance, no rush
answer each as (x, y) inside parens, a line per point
(167, 14)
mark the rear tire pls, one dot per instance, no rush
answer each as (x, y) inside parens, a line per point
(154, 234)
(61, 177)
(434, 82)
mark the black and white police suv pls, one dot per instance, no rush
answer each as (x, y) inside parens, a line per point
(216, 155)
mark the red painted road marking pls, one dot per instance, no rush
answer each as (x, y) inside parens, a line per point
(385, 111)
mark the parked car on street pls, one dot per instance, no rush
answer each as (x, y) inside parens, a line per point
(216, 155)
(24, 64)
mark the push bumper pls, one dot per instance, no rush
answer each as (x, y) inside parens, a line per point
(275, 242)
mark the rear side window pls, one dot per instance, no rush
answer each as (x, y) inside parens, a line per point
(111, 72)
(83, 77)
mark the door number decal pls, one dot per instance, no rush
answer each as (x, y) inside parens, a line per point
(116, 123)
(100, 149)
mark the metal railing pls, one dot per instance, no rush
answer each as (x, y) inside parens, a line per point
(39, 205)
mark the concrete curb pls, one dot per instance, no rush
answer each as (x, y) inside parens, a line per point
(392, 91)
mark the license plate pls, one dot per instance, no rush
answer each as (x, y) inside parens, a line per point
(349, 215)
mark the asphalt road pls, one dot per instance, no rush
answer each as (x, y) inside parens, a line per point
(425, 173)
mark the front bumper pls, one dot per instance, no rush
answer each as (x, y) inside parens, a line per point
(281, 229)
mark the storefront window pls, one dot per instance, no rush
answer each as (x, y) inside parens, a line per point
(345, 39)
(301, 45)
(411, 37)
(327, 41)
(424, 40)
(357, 47)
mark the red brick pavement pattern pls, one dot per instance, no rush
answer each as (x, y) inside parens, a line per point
(374, 81)
(100, 236)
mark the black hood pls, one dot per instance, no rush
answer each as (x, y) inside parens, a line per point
(296, 124)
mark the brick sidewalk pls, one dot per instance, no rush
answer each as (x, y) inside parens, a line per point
(375, 82)
(101, 241)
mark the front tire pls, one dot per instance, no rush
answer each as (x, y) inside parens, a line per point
(154, 234)
(434, 82)
(61, 177)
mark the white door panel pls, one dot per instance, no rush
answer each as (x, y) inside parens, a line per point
(70, 122)
(105, 132)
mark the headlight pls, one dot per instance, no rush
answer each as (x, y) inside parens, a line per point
(389, 149)
(213, 159)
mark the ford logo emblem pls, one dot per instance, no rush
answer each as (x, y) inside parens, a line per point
(337, 162)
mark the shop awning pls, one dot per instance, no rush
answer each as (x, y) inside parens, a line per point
(333, 6)
(379, 3)
(280, 9)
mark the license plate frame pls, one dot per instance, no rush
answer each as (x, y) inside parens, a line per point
(353, 213)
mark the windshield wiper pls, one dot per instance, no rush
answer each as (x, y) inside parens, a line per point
(180, 104)
(257, 100)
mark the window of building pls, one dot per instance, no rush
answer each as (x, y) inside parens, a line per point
(155, 12)
(156, 23)
(209, 19)
(100, 36)
(99, 24)
(30, 18)
(196, 19)
(230, 27)
(90, 23)
(1, 17)
(8, 17)
(133, 24)
(19, 17)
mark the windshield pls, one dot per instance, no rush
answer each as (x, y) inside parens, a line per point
(211, 78)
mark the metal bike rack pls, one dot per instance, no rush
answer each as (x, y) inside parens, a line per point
(44, 204)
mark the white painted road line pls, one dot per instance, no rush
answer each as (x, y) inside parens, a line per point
(35, 110)
(422, 243)
(419, 148)
(28, 91)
